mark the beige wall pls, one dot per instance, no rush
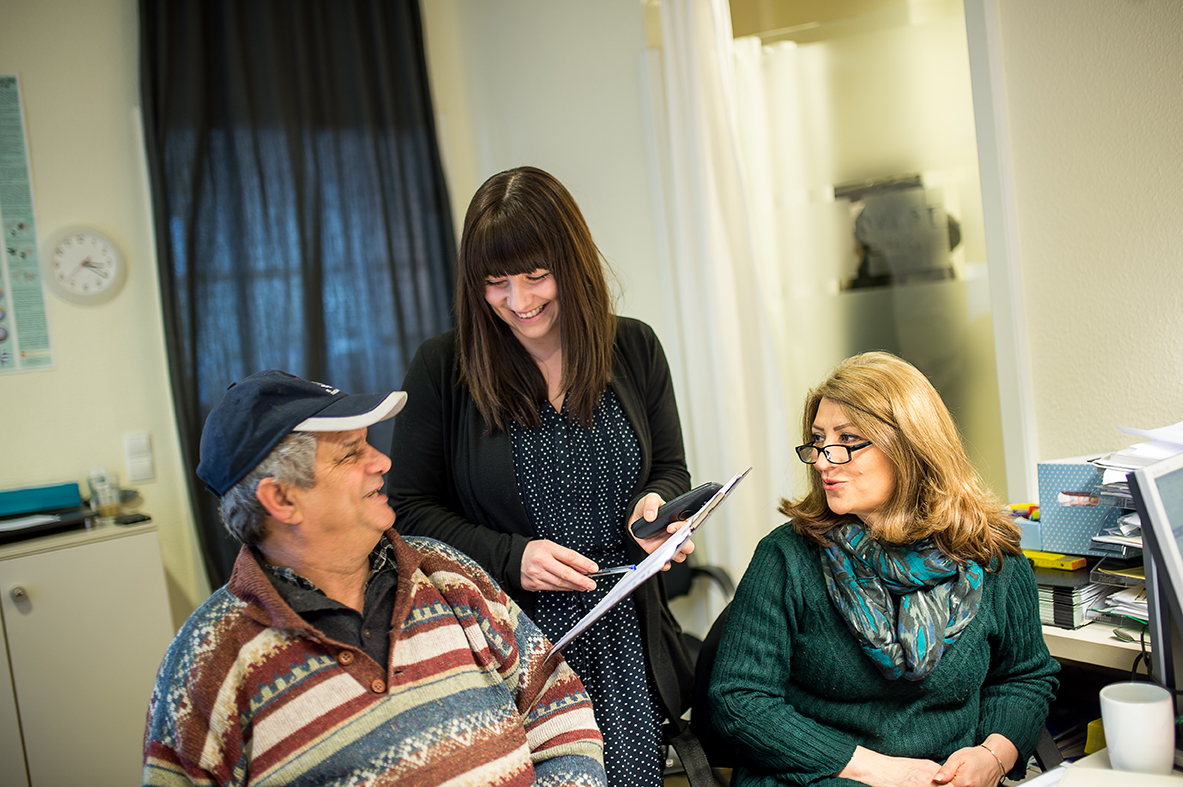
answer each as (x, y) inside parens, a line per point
(79, 76)
(1094, 95)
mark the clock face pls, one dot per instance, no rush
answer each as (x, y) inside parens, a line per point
(84, 266)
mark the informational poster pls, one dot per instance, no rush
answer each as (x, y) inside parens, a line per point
(24, 332)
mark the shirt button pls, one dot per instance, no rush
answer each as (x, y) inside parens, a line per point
(378, 687)
(345, 658)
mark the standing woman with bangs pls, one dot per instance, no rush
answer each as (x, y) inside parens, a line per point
(889, 634)
(535, 434)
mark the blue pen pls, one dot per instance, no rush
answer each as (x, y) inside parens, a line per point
(617, 570)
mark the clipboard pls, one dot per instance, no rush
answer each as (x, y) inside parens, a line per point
(651, 565)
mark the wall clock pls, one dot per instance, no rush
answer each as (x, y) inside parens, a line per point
(83, 265)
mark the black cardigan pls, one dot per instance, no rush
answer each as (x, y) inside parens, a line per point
(451, 481)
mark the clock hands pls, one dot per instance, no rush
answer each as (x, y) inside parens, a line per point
(99, 268)
(84, 266)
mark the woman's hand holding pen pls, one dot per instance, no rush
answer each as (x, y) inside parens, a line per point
(646, 509)
(548, 566)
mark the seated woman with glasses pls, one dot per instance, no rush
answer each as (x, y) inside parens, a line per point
(889, 633)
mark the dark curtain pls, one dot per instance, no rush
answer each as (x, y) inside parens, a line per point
(301, 216)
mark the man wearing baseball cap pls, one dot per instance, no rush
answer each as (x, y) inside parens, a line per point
(339, 652)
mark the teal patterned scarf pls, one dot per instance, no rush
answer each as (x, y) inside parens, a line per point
(905, 605)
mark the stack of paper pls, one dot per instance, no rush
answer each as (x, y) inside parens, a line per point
(1070, 609)
(1123, 537)
(1128, 602)
(1124, 575)
(1067, 598)
(1164, 442)
(1127, 531)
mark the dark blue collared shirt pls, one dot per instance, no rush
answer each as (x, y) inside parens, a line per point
(368, 631)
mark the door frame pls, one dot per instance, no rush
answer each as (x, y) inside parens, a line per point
(996, 167)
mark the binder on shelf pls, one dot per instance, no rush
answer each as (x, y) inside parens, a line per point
(33, 499)
(41, 510)
(1113, 619)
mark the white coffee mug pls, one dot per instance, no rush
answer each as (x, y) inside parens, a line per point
(1139, 720)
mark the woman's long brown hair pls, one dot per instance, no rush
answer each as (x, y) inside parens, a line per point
(519, 221)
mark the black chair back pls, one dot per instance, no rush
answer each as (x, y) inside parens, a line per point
(719, 753)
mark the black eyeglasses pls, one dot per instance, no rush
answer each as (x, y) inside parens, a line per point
(835, 454)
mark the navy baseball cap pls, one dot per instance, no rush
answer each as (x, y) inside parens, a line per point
(266, 407)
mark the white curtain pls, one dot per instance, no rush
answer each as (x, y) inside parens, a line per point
(748, 141)
(804, 245)
(729, 388)
(802, 130)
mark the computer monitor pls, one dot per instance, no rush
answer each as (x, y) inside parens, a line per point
(1157, 491)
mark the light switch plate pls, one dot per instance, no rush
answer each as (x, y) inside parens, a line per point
(137, 450)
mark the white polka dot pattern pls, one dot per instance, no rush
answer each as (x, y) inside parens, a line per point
(575, 484)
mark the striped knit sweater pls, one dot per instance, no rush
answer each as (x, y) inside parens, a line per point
(794, 693)
(250, 694)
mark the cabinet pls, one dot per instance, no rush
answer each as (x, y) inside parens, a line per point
(85, 622)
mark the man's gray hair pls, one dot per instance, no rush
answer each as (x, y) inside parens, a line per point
(292, 462)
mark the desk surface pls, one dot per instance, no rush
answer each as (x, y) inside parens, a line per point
(1096, 770)
(1095, 644)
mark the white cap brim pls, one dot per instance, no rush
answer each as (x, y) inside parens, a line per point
(388, 408)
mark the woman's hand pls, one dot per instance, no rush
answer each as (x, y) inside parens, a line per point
(879, 770)
(646, 509)
(548, 566)
(973, 766)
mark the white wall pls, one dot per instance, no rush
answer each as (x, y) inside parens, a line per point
(1093, 90)
(554, 84)
(1094, 95)
(79, 76)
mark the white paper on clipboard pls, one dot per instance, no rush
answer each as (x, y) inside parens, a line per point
(651, 565)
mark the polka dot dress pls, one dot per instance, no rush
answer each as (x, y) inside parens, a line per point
(575, 484)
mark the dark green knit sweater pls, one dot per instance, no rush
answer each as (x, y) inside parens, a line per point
(795, 694)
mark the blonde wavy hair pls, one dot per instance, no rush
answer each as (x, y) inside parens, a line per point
(938, 492)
